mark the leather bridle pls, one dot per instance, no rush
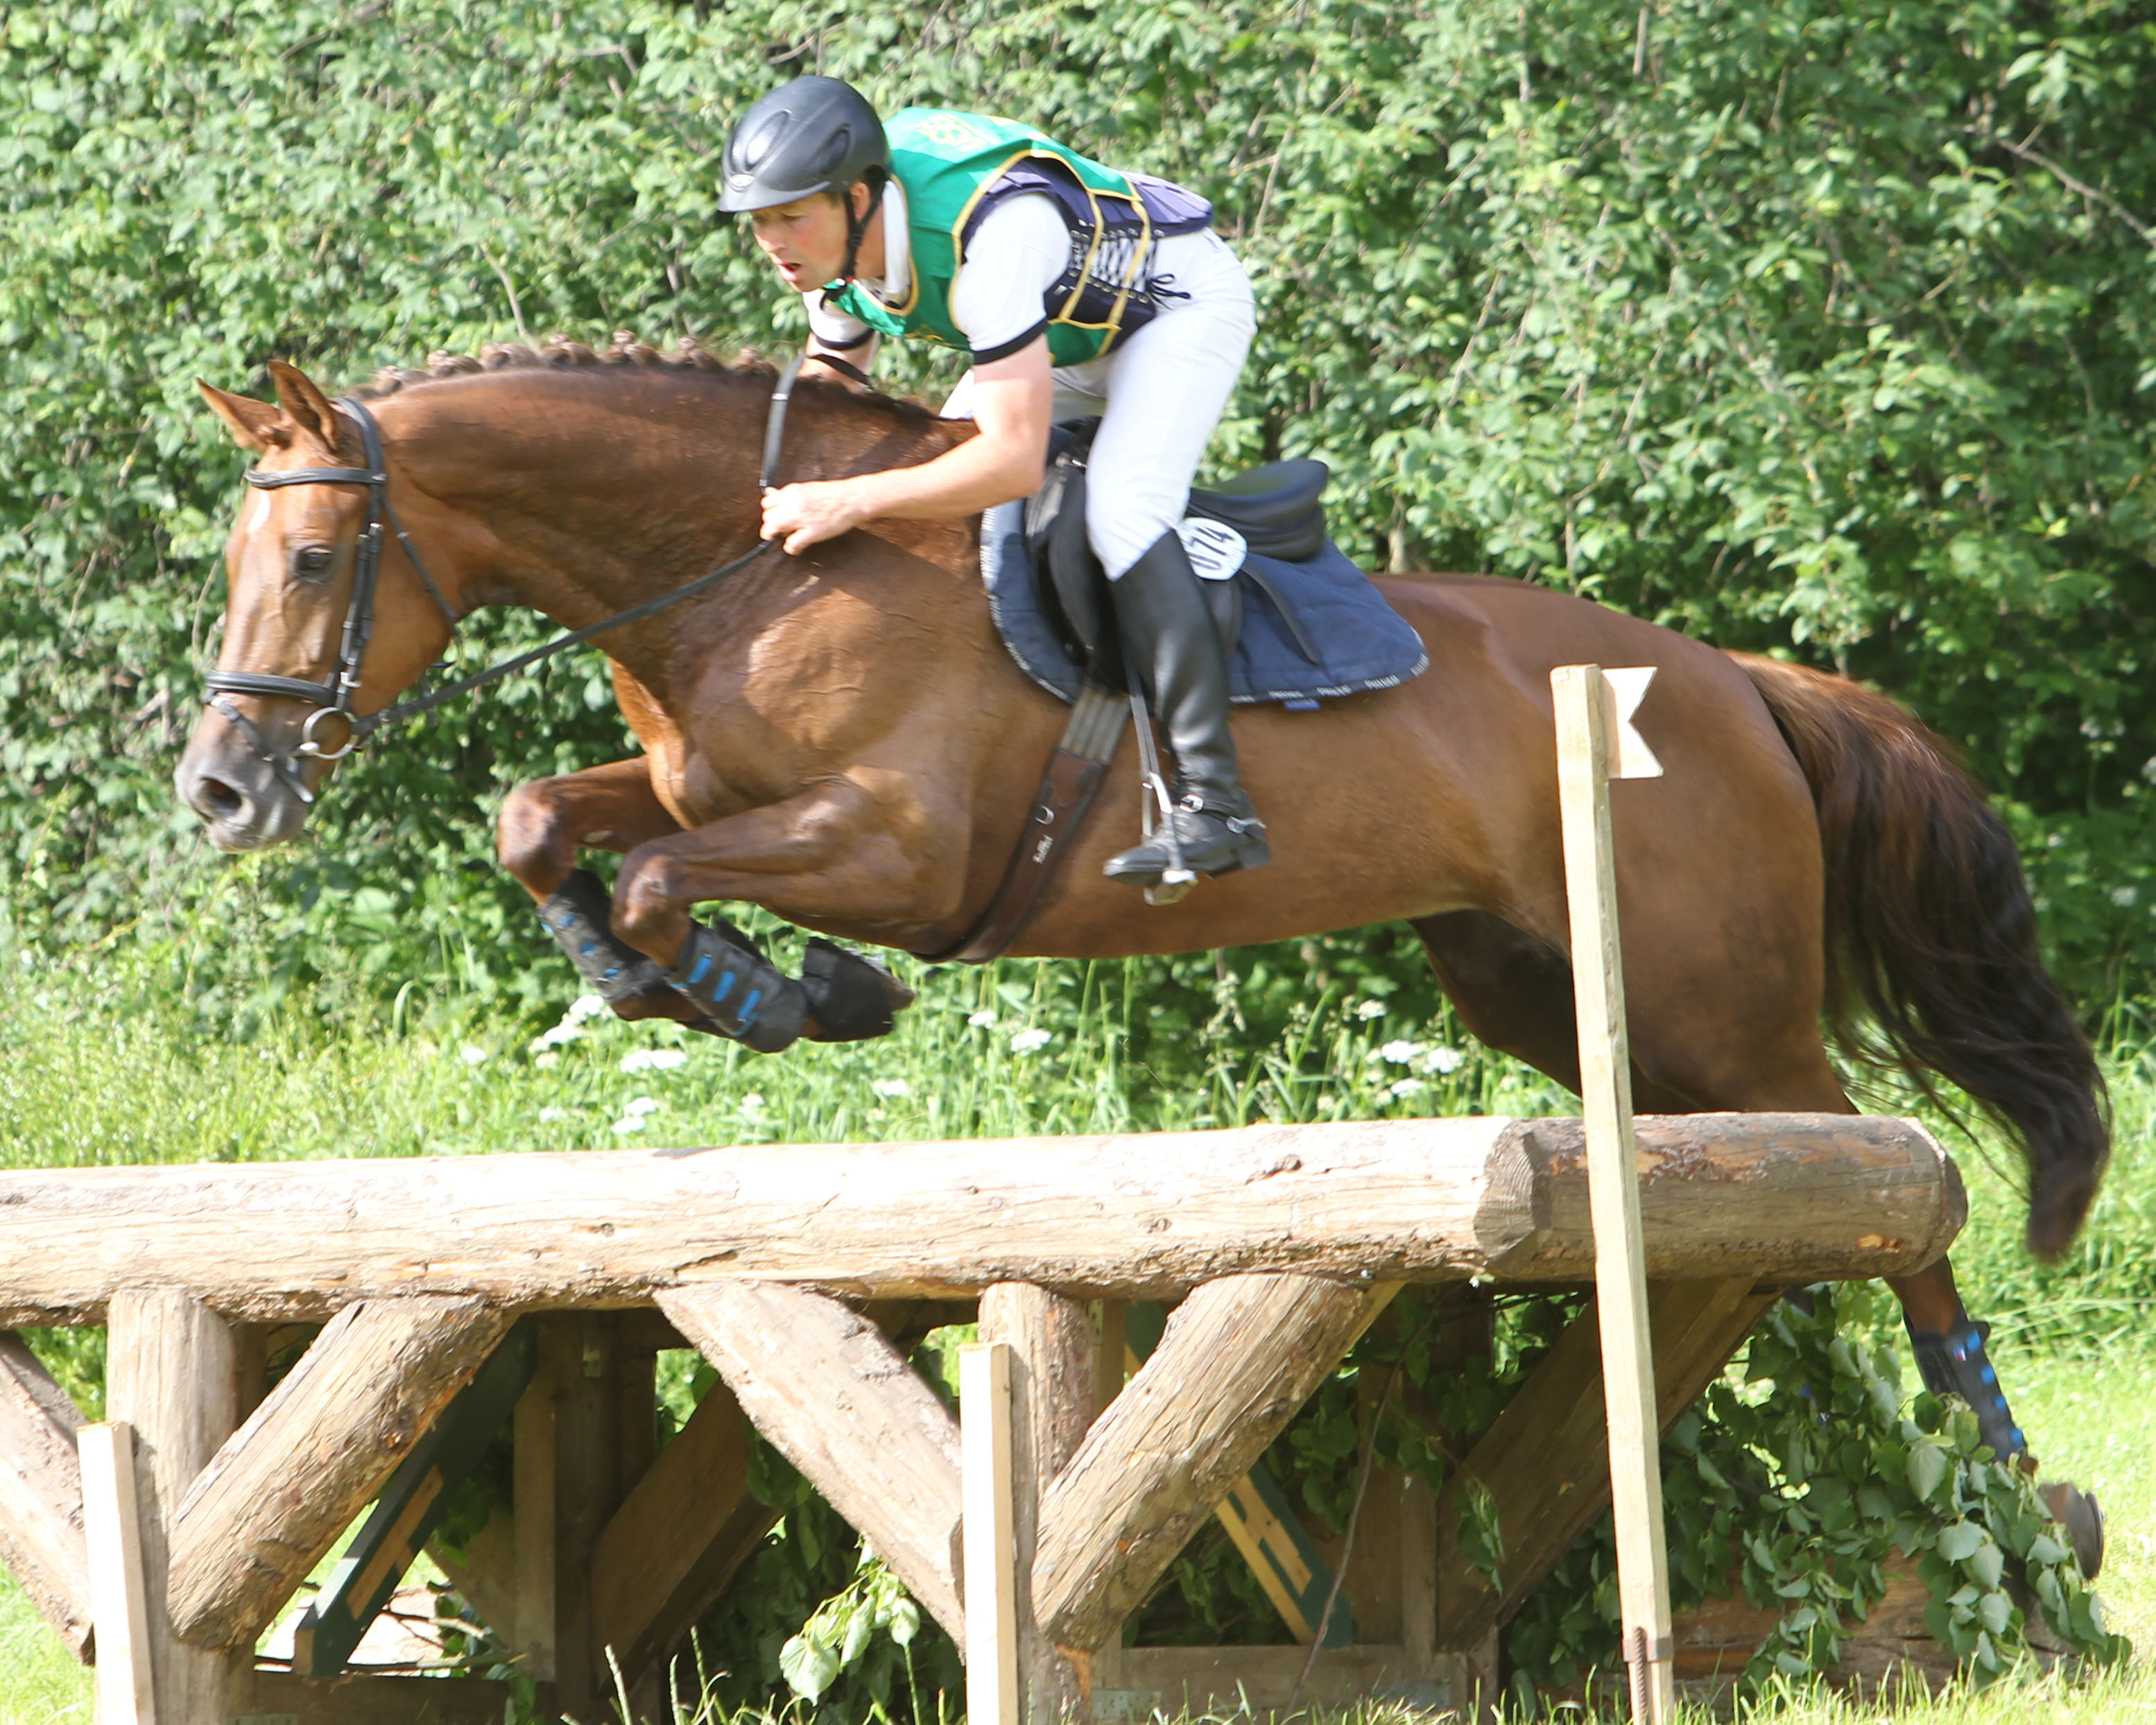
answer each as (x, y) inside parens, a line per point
(334, 696)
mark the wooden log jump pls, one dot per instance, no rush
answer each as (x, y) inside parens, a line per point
(804, 1274)
(1793, 1197)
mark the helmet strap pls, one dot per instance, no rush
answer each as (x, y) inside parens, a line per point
(857, 226)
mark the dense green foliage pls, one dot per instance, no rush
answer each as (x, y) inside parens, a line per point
(1819, 328)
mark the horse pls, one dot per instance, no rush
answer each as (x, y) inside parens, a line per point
(840, 738)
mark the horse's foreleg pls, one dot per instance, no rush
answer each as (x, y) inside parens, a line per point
(544, 824)
(834, 851)
(837, 853)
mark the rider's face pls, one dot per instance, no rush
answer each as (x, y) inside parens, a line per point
(806, 239)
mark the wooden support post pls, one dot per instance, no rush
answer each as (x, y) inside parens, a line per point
(171, 1374)
(1588, 755)
(313, 1454)
(840, 1402)
(991, 1556)
(112, 1525)
(586, 1473)
(1241, 1356)
(672, 1548)
(1053, 1387)
(533, 1503)
(41, 1527)
(1545, 1464)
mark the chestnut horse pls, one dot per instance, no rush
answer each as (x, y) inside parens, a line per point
(842, 738)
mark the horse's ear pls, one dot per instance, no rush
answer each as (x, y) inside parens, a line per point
(253, 425)
(305, 406)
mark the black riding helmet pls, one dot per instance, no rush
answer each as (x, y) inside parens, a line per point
(812, 135)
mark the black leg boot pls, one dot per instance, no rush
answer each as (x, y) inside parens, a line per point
(739, 992)
(580, 916)
(1170, 643)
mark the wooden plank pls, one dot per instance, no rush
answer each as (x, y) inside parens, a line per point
(119, 1599)
(1584, 746)
(484, 1573)
(410, 1506)
(41, 1525)
(171, 1373)
(675, 1546)
(1791, 1197)
(281, 1698)
(991, 1550)
(1545, 1463)
(1053, 1387)
(833, 1396)
(1241, 1356)
(322, 1444)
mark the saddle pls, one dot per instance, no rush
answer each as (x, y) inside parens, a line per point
(1277, 511)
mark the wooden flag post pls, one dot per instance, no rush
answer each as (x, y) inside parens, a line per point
(1595, 743)
(988, 1534)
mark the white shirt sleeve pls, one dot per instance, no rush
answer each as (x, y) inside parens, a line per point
(835, 330)
(1015, 256)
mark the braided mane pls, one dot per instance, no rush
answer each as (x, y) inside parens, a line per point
(559, 351)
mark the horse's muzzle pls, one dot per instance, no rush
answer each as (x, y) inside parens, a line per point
(243, 802)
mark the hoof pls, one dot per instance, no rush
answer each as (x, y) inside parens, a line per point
(2081, 1515)
(850, 998)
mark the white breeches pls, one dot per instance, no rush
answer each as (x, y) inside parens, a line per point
(1160, 395)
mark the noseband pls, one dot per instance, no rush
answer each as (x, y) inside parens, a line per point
(334, 695)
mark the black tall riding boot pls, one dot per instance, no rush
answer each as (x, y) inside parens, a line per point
(1170, 643)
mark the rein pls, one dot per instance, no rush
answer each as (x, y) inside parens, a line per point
(334, 696)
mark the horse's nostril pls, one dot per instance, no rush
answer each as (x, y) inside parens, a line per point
(214, 797)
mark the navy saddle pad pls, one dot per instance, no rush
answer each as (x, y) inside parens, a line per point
(1360, 643)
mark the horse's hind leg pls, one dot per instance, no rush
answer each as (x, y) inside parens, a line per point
(1515, 993)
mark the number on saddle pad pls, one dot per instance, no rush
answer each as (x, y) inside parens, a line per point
(1216, 550)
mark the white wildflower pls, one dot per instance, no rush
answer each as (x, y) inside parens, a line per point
(2124, 896)
(1443, 1060)
(1399, 1053)
(547, 1058)
(1031, 1041)
(641, 1106)
(653, 1059)
(890, 1088)
(752, 1104)
(584, 1006)
(1404, 1087)
(1367, 1010)
(983, 1019)
(551, 1115)
(472, 1054)
(629, 1123)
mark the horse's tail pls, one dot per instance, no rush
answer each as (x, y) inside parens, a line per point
(1932, 937)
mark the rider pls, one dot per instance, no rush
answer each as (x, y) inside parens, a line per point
(1061, 279)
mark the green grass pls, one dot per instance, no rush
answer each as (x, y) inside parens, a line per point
(94, 1071)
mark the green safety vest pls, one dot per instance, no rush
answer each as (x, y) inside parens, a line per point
(956, 168)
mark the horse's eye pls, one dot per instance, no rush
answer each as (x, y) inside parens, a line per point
(313, 560)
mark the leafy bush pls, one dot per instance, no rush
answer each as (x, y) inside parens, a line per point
(1821, 330)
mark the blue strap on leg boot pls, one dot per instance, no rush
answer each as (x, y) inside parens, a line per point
(742, 993)
(1955, 1363)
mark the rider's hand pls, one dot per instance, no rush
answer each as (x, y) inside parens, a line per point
(809, 513)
